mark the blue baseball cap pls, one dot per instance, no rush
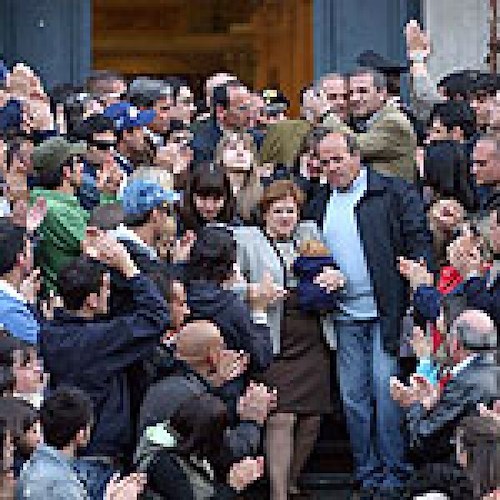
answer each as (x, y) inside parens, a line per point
(125, 116)
(140, 197)
(11, 117)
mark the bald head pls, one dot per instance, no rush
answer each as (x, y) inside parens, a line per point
(475, 329)
(197, 340)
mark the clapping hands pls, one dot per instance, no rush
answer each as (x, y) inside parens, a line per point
(420, 390)
(257, 402)
(262, 295)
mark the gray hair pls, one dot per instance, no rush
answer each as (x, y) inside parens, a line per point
(329, 76)
(472, 336)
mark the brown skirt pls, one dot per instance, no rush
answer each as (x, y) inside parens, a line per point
(301, 372)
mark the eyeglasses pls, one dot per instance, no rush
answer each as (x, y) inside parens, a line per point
(242, 108)
(337, 97)
(104, 145)
(328, 161)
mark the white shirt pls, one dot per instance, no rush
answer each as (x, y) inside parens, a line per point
(122, 232)
(463, 364)
(8, 289)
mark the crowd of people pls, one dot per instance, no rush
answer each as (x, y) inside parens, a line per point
(177, 277)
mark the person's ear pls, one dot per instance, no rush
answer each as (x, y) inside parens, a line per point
(457, 134)
(212, 358)
(83, 437)
(92, 301)
(66, 172)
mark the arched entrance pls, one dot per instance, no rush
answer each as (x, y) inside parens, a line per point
(264, 42)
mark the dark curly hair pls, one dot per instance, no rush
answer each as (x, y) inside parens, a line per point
(213, 255)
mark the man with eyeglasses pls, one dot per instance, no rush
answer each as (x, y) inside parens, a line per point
(368, 220)
(103, 177)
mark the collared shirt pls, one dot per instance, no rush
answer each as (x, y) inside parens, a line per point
(122, 232)
(343, 239)
(49, 475)
(8, 289)
(15, 314)
(463, 364)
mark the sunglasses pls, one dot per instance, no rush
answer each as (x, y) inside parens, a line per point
(104, 146)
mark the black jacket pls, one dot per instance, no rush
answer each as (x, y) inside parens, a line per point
(208, 301)
(94, 355)
(211, 302)
(206, 137)
(392, 223)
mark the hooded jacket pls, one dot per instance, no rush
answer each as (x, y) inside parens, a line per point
(94, 355)
(208, 301)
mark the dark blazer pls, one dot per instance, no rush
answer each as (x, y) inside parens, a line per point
(206, 137)
(430, 432)
(392, 223)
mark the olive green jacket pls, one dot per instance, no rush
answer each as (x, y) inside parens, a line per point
(389, 143)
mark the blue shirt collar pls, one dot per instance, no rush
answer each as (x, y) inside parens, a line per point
(360, 183)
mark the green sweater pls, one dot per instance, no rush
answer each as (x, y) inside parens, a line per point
(62, 232)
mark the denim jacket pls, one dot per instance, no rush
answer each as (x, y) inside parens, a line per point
(49, 475)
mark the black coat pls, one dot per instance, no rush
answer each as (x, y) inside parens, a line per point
(392, 223)
(206, 137)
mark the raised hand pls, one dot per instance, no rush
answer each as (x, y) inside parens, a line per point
(36, 214)
(231, 365)
(50, 305)
(493, 413)
(405, 396)
(415, 272)
(421, 343)
(445, 215)
(417, 41)
(30, 287)
(182, 247)
(102, 247)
